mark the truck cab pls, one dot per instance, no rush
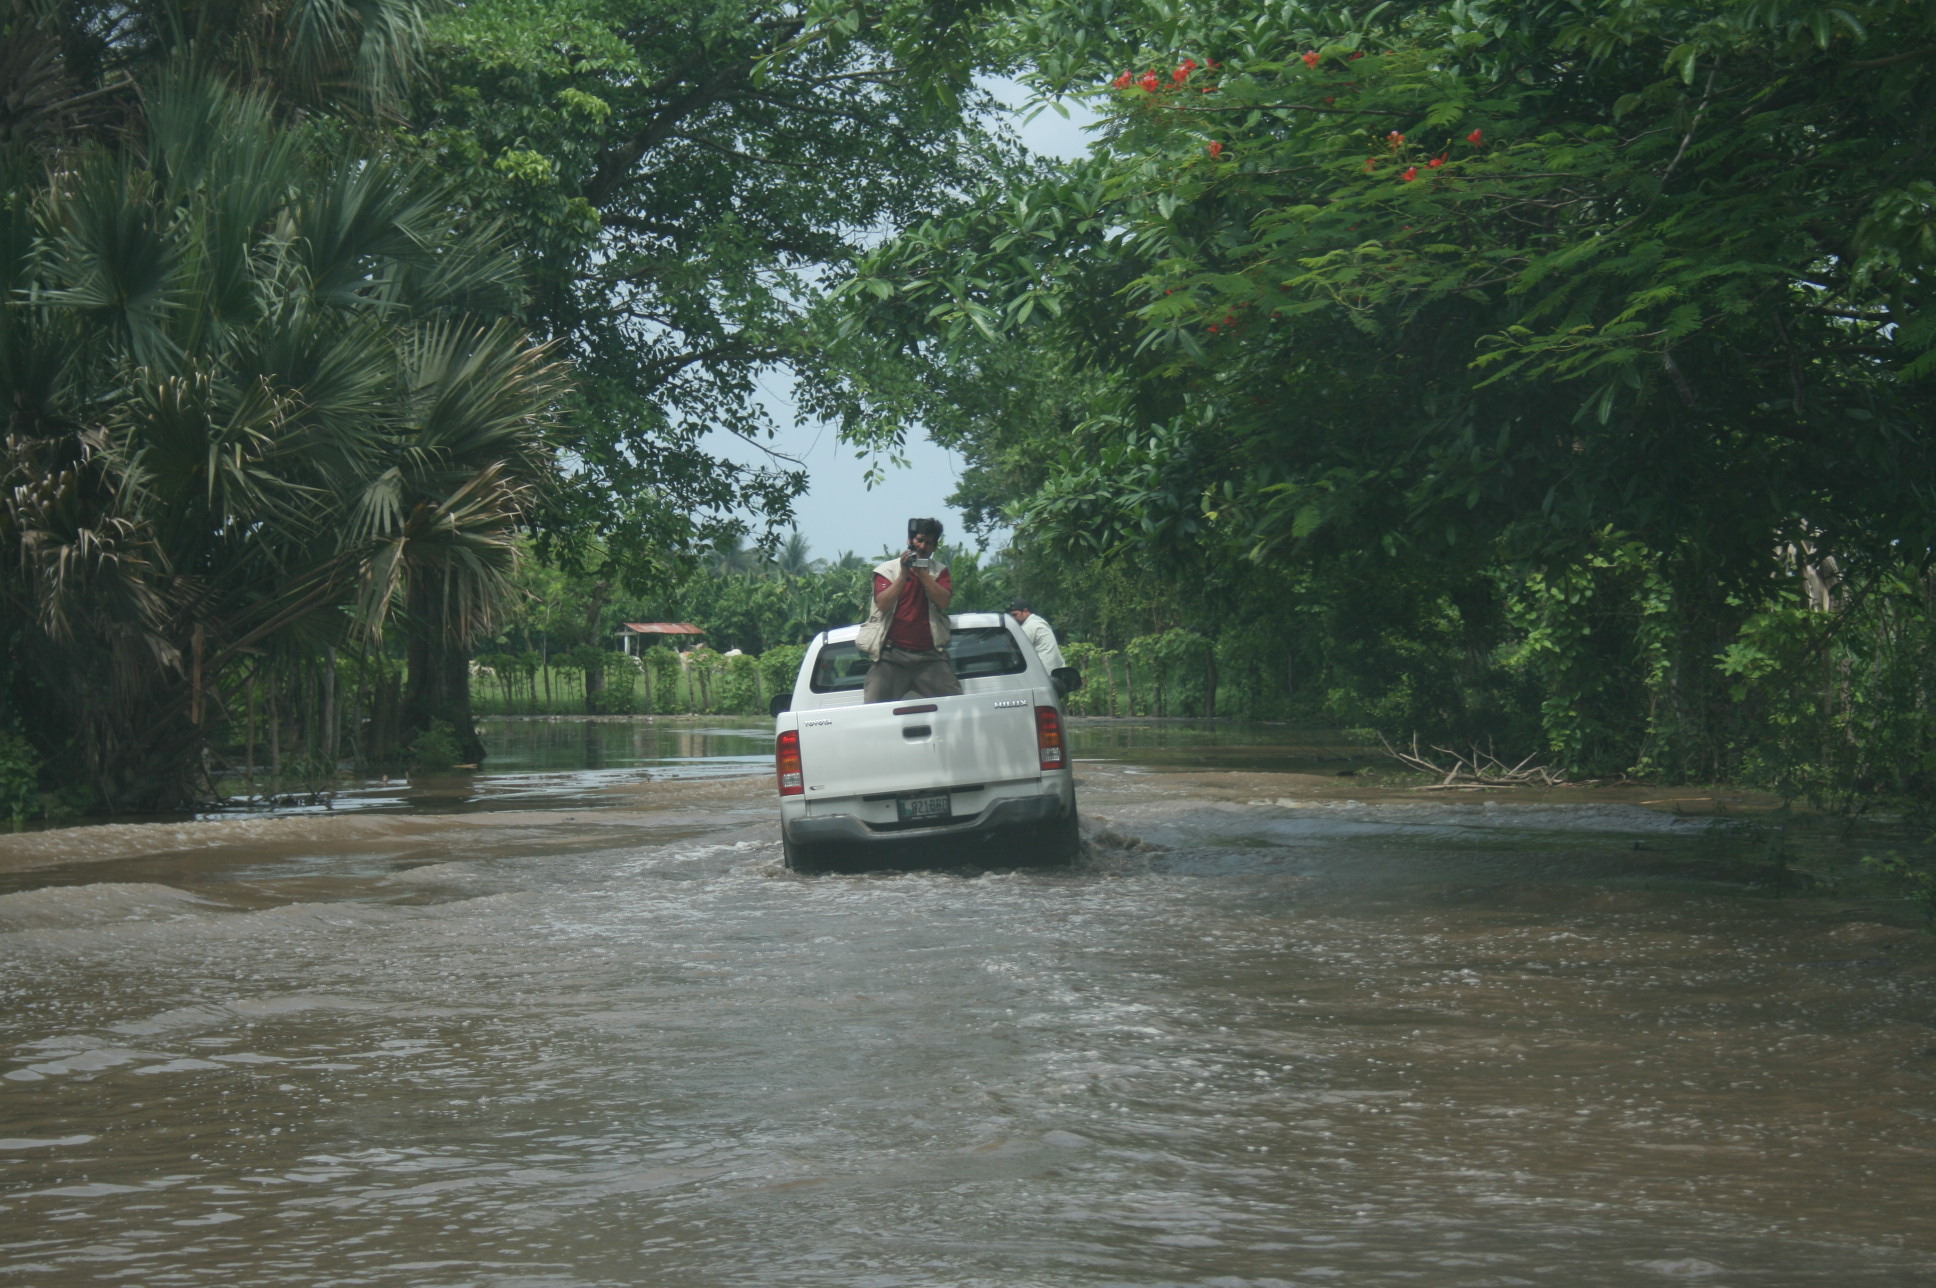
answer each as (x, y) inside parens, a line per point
(984, 775)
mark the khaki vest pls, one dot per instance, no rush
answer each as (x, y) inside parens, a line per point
(873, 634)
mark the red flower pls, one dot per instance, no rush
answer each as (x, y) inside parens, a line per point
(1216, 149)
(1213, 328)
(1122, 82)
(1180, 75)
(1475, 137)
(1209, 89)
(1213, 64)
(1371, 163)
(1436, 162)
(1230, 319)
(1149, 82)
(1330, 100)
(1355, 57)
(1191, 64)
(1310, 58)
(1411, 173)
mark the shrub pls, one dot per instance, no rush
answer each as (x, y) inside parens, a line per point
(780, 666)
(19, 779)
(437, 747)
(736, 691)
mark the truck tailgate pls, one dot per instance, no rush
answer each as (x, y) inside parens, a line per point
(918, 744)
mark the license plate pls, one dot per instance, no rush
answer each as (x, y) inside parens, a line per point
(922, 809)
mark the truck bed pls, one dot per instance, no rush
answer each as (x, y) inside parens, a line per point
(921, 744)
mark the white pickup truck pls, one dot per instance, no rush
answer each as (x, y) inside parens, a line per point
(862, 782)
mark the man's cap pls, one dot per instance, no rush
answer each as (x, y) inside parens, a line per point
(1020, 606)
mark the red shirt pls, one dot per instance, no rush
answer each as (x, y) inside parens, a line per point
(910, 630)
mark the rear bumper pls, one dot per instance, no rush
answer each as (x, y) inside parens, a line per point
(846, 829)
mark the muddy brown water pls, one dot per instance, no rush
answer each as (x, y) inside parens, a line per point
(1277, 1028)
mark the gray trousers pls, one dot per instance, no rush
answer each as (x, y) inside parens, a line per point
(903, 674)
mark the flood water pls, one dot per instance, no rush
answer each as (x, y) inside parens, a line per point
(1277, 1028)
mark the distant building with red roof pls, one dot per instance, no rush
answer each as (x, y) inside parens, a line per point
(636, 637)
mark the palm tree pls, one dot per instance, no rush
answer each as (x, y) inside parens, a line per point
(342, 57)
(791, 559)
(731, 555)
(252, 414)
(443, 520)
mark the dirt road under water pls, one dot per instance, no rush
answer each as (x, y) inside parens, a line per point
(1265, 1034)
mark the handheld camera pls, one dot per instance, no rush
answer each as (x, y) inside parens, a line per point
(918, 560)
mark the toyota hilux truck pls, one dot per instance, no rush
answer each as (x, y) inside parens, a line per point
(983, 775)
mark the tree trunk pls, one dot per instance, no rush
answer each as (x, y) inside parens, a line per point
(329, 708)
(594, 674)
(385, 701)
(251, 749)
(440, 676)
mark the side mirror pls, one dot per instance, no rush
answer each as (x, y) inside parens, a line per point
(1067, 679)
(780, 705)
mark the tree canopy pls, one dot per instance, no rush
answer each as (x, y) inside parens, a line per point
(1510, 295)
(686, 180)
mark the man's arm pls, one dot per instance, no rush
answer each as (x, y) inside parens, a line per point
(941, 590)
(888, 593)
(1042, 636)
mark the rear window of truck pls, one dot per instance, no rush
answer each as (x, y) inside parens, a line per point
(973, 651)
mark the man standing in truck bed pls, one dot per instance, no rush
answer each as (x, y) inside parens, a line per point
(907, 632)
(1039, 633)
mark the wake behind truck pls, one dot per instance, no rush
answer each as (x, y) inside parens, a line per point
(983, 776)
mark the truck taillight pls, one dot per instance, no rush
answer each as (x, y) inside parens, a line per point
(1048, 738)
(786, 759)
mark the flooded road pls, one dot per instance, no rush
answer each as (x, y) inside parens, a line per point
(1264, 1034)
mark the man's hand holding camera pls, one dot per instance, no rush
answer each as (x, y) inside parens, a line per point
(917, 560)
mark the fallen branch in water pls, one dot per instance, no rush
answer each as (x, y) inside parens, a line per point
(1474, 771)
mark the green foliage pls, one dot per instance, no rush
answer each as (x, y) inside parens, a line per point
(267, 399)
(1593, 634)
(736, 691)
(1916, 881)
(1844, 700)
(19, 779)
(619, 694)
(681, 177)
(436, 748)
(1510, 345)
(704, 667)
(1177, 666)
(668, 676)
(1098, 692)
(1318, 352)
(780, 667)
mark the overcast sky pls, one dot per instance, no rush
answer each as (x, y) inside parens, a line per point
(838, 512)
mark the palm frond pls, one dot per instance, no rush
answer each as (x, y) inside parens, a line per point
(115, 253)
